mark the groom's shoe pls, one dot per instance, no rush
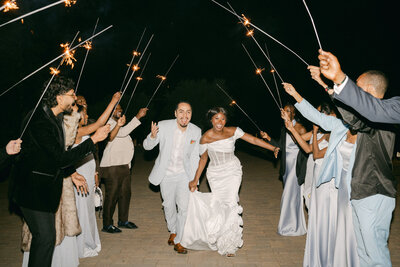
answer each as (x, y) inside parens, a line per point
(111, 229)
(128, 225)
(181, 250)
(171, 239)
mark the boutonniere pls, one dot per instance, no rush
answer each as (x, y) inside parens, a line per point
(192, 141)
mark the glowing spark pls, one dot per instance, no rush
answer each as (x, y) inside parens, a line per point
(272, 71)
(68, 59)
(232, 103)
(161, 77)
(87, 45)
(79, 39)
(22, 21)
(250, 32)
(246, 21)
(54, 71)
(258, 71)
(69, 3)
(9, 6)
(135, 53)
(135, 67)
(139, 78)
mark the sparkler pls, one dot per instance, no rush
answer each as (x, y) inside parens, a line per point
(54, 72)
(51, 61)
(251, 34)
(257, 28)
(9, 5)
(273, 75)
(312, 21)
(69, 58)
(134, 54)
(138, 79)
(133, 72)
(259, 73)
(236, 104)
(162, 79)
(88, 47)
(67, 3)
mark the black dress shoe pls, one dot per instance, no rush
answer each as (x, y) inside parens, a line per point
(128, 225)
(111, 229)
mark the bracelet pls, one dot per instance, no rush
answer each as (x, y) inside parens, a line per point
(338, 84)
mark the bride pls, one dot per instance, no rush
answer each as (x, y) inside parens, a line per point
(213, 219)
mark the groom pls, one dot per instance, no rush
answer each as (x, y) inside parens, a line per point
(175, 167)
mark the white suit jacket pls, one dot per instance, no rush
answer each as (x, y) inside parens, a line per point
(165, 138)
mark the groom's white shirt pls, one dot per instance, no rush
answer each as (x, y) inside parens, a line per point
(165, 138)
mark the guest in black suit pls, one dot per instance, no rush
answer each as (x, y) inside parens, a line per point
(38, 173)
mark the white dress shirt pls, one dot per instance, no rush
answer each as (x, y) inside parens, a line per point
(175, 165)
(120, 150)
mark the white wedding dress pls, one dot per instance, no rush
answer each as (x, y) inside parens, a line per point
(213, 219)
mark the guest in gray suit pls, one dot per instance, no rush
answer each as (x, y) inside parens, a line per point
(175, 167)
(361, 98)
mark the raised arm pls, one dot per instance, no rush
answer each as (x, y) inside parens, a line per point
(303, 144)
(328, 123)
(86, 130)
(261, 143)
(121, 122)
(135, 122)
(153, 138)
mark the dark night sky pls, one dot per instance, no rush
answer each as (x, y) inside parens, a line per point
(361, 33)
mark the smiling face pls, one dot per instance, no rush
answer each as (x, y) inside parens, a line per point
(118, 112)
(183, 114)
(218, 121)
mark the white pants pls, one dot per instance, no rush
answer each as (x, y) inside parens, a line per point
(175, 194)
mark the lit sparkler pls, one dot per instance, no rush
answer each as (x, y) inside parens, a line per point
(133, 72)
(88, 46)
(9, 5)
(257, 28)
(236, 104)
(54, 71)
(259, 70)
(135, 67)
(162, 79)
(262, 78)
(67, 3)
(312, 21)
(134, 54)
(51, 61)
(246, 21)
(68, 58)
(250, 32)
(138, 79)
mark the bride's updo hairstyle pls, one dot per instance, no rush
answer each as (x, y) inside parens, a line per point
(214, 111)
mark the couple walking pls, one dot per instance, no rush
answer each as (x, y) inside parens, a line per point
(200, 221)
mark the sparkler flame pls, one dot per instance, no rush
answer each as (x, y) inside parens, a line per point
(87, 45)
(250, 32)
(135, 67)
(54, 71)
(161, 77)
(139, 78)
(232, 103)
(136, 53)
(259, 70)
(10, 5)
(272, 70)
(246, 21)
(69, 58)
(69, 3)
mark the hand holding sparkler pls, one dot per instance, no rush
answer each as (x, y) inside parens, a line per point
(291, 91)
(116, 97)
(13, 147)
(285, 116)
(101, 134)
(265, 136)
(316, 75)
(330, 67)
(142, 112)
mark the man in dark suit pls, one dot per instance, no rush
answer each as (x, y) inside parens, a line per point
(373, 185)
(38, 173)
(374, 108)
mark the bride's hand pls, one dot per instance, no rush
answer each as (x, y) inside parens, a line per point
(193, 185)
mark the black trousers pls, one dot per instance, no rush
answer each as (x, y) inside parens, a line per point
(42, 226)
(117, 182)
